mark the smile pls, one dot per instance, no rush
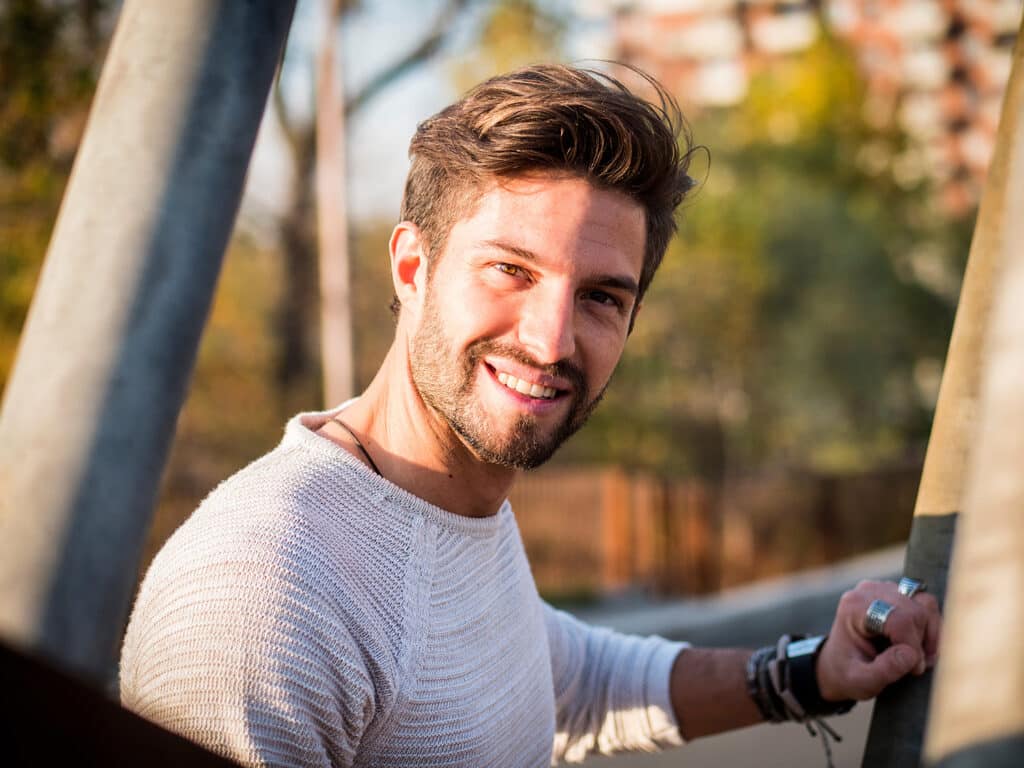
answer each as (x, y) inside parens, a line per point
(525, 387)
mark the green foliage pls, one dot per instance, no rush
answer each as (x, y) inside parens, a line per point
(373, 323)
(785, 325)
(511, 34)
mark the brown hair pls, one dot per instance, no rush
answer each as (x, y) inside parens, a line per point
(552, 117)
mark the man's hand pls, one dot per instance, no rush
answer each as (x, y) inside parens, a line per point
(849, 666)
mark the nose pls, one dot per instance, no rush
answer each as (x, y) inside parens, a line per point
(547, 327)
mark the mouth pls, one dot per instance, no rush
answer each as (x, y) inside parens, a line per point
(526, 388)
(535, 390)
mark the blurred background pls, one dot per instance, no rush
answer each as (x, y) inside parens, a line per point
(774, 402)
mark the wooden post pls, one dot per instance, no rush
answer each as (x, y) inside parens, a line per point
(615, 533)
(336, 348)
(897, 727)
(978, 704)
(111, 337)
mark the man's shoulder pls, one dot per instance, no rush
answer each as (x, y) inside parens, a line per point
(288, 508)
(275, 547)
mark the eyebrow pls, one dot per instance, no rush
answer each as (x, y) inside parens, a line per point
(515, 250)
(620, 282)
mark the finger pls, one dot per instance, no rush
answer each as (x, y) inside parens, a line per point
(894, 664)
(898, 661)
(933, 633)
(907, 623)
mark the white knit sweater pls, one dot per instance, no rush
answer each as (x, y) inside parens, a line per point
(311, 613)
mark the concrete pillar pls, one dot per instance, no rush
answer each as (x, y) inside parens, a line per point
(111, 337)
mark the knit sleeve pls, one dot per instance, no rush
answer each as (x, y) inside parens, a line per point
(241, 658)
(611, 690)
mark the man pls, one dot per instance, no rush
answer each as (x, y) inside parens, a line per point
(360, 596)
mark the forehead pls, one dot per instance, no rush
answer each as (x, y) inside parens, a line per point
(556, 217)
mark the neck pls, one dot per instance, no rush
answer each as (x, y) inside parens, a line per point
(416, 449)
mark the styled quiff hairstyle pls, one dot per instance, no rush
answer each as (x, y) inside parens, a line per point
(551, 118)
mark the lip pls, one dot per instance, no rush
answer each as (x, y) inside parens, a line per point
(534, 405)
(525, 373)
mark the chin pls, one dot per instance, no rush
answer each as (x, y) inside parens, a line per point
(526, 452)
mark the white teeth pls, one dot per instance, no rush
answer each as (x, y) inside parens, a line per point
(525, 387)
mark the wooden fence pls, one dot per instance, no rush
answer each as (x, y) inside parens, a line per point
(599, 532)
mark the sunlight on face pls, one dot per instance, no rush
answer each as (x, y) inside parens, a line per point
(526, 314)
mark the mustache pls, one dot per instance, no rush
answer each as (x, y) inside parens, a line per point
(561, 368)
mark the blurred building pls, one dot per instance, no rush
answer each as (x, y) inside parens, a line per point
(936, 69)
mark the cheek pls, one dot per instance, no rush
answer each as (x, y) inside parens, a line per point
(469, 312)
(608, 368)
(479, 304)
(603, 356)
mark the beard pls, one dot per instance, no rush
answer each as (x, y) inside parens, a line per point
(445, 383)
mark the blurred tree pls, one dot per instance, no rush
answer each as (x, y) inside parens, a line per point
(336, 348)
(790, 323)
(298, 318)
(511, 34)
(374, 326)
(50, 54)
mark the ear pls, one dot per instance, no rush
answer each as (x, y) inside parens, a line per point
(408, 264)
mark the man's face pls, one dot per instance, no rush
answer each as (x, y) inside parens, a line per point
(526, 313)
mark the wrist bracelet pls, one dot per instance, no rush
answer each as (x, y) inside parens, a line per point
(783, 682)
(795, 677)
(757, 685)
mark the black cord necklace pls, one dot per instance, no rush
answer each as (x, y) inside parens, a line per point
(359, 445)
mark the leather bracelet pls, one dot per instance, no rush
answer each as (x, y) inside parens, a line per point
(799, 679)
(783, 682)
(758, 687)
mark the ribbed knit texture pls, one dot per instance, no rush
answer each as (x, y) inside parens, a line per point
(311, 613)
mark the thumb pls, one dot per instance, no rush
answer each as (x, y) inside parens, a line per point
(869, 678)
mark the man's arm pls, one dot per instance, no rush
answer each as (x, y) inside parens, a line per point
(709, 691)
(708, 687)
(611, 690)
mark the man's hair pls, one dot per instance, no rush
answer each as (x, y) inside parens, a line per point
(552, 118)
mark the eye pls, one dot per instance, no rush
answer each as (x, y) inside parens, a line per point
(602, 297)
(509, 269)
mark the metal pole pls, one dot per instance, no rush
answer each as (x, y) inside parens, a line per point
(111, 337)
(898, 723)
(978, 704)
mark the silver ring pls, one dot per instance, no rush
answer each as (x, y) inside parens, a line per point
(911, 587)
(877, 615)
